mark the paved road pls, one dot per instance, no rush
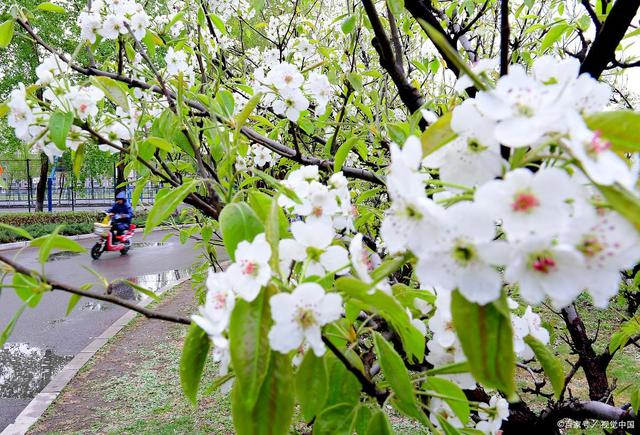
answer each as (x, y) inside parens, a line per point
(44, 339)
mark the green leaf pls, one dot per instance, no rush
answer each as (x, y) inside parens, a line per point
(73, 301)
(241, 118)
(343, 152)
(238, 222)
(551, 364)
(28, 288)
(249, 344)
(50, 7)
(635, 397)
(166, 204)
(627, 330)
(447, 428)
(338, 419)
(6, 33)
(622, 201)
(553, 35)
(262, 204)
(487, 341)
(379, 424)
(20, 231)
(55, 241)
(412, 340)
(619, 127)
(160, 143)
(113, 91)
(273, 411)
(78, 159)
(396, 374)
(6, 332)
(137, 191)
(437, 134)
(453, 395)
(396, 7)
(348, 24)
(311, 385)
(4, 109)
(450, 369)
(59, 125)
(343, 386)
(194, 356)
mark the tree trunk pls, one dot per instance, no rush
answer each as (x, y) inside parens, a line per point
(41, 188)
(120, 175)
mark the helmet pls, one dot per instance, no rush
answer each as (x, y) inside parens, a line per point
(121, 195)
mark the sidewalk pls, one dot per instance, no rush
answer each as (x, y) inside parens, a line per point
(132, 384)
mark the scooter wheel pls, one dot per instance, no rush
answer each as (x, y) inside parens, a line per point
(124, 251)
(96, 251)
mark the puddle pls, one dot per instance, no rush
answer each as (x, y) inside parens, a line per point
(62, 255)
(153, 282)
(25, 370)
(147, 244)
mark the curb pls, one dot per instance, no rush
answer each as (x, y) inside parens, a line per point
(39, 404)
(25, 243)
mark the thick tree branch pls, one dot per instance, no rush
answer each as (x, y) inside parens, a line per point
(56, 285)
(504, 37)
(604, 46)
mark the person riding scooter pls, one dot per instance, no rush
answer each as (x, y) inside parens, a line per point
(122, 214)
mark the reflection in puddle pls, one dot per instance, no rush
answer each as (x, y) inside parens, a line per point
(153, 282)
(25, 370)
(93, 306)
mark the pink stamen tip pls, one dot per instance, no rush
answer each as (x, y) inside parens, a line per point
(544, 264)
(525, 202)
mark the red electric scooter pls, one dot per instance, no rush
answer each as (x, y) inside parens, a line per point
(108, 241)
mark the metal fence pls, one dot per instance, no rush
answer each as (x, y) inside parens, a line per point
(20, 179)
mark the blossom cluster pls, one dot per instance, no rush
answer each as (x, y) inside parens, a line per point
(551, 238)
(538, 111)
(111, 19)
(287, 91)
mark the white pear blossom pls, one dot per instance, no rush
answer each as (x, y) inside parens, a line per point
(528, 324)
(492, 415)
(90, 25)
(290, 103)
(462, 255)
(215, 314)
(285, 76)
(261, 155)
(530, 204)
(320, 89)
(600, 163)
(299, 316)
(112, 26)
(251, 269)
(176, 61)
(85, 100)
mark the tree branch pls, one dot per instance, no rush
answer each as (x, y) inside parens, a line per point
(604, 46)
(56, 285)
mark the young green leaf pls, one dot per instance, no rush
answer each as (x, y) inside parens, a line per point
(379, 424)
(166, 204)
(396, 374)
(73, 301)
(59, 125)
(311, 385)
(238, 222)
(6, 33)
(194, 356)
(50, 7)
(6, 332)
(551, 364)
(272, 412)
(437, 134)
(20, 231)
(249, 344)
(452, 394)
(623, 201)
(487, 341)
(619, 127)
(338, 419)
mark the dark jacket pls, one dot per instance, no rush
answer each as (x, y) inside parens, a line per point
(124, 210)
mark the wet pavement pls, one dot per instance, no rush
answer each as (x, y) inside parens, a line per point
(44, 339)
